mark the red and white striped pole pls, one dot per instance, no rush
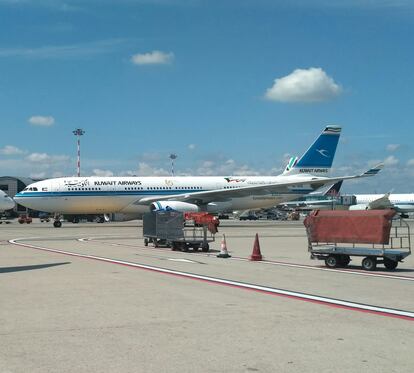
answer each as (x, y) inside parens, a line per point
(78, 132)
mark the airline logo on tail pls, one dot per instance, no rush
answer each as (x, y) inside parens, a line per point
(323, 152)
(318, 158)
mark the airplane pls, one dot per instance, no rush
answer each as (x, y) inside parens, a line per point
(402, 203)
(316, 200)
(6, 202)
(137, 195)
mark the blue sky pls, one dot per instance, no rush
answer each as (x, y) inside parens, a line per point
(231, 87)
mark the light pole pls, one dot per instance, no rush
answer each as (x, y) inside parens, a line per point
(78, 132)
(173, 157)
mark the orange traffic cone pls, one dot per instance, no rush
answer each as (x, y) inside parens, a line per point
(223, 249)
(256, 254)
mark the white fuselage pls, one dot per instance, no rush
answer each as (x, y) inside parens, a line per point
(403, 202)
(89, 195)
(6, 203)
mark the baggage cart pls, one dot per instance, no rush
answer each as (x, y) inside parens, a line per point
(375, 235)
(177, 230)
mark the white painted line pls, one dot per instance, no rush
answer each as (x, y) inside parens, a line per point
(182, 260)
(390, 312)
(276, 263)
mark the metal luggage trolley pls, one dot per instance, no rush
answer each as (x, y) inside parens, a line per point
(176, 230)
(338, 254)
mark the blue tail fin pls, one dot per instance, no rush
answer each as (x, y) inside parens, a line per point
(319, 157)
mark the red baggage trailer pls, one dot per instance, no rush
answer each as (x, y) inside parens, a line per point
(335, 236)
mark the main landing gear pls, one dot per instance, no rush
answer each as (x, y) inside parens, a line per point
(57, 223)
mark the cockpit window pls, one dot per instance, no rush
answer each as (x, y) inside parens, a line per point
(34, 189)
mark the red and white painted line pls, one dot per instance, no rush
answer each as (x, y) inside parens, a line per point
(389, 312)
(270, 262)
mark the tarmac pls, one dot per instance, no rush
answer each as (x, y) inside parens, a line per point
(92, 298)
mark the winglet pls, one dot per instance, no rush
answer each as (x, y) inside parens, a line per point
(374, 170)
(290, 165)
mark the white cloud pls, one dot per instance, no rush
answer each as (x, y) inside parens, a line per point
(410, 162)
(191, 146)
(43, 121)
(71, 51)
(98, 172)
(11, 150)
(391, 161)
(144, 169)
(38, 165)
(392, 147)
(38, 175)
(304, 85)
(229, 167)
(152, 58)
(46, 158)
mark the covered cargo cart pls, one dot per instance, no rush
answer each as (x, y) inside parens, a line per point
(376, 235)
(180, 231)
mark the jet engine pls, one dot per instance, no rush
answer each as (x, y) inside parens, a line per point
(173, 206)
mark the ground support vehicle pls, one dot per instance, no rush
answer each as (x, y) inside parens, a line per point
(24, 219)
(293, 215)
(395, 247)
(75, 219)
(180, 231)
(4, 218)
(248, 217)
(44, 217)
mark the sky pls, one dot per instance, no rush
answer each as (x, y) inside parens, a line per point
(230, 87)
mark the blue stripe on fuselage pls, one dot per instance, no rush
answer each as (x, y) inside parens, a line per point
(143, 193)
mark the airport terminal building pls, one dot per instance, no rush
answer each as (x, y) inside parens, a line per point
(12, 185)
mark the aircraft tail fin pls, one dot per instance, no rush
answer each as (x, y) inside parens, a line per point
(333, 191)
(317, 160)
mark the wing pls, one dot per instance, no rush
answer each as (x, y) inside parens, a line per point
(223, 195)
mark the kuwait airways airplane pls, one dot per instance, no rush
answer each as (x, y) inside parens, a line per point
(137, 195)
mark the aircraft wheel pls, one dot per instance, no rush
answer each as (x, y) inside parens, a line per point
(57, 223)
(205, 247)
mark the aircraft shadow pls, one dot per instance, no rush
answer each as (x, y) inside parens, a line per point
(31, 267)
